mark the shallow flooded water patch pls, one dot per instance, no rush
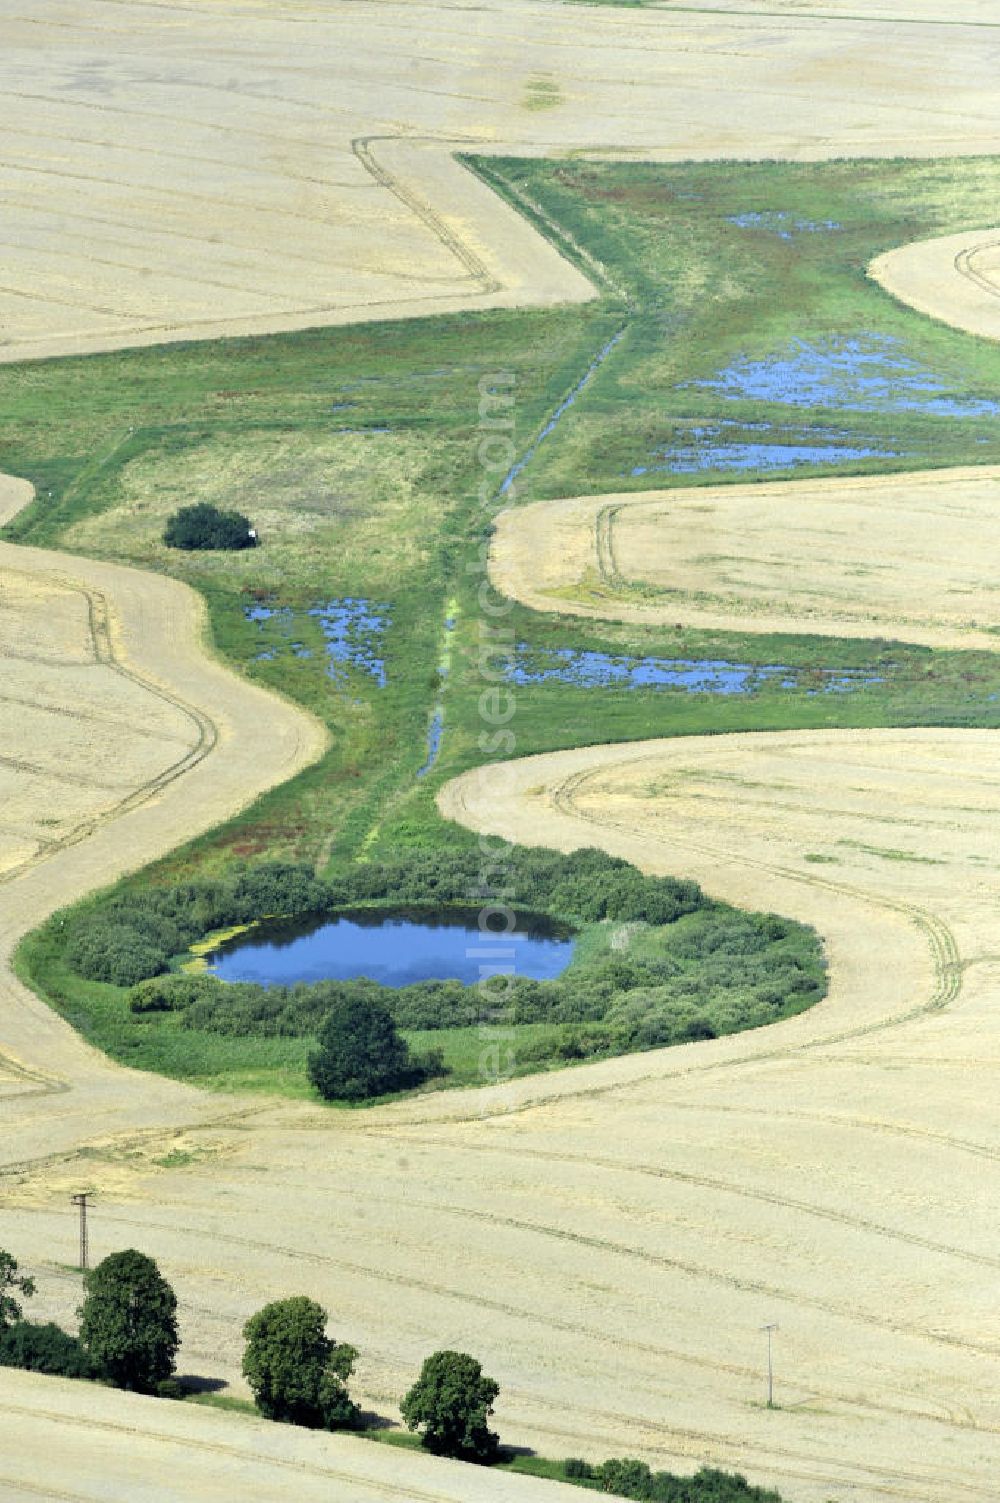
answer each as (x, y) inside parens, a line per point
(352, 629)
(749, 447)
(866, 373)
(596, 670)
(782, 223)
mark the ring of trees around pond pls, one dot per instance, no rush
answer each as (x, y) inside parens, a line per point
(655, 963)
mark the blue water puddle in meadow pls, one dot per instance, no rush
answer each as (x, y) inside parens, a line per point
(434, 734)
(868, 373)
(781, 223)
(435, 731)
(559, 413)
(352, 630)
(718, 446)
(599, 670)
(268, 612)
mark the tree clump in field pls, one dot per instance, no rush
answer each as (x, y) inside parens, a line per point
(450, 1403)
(360, 1054)
(132, 935)
(711, 973)
(28, 1345)
(207, 527)
(128, 1321)
(296, 1372)
(118, 953)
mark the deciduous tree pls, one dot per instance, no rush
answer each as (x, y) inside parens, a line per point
(128, 1321)
(11, 1280)
(451, 1402)
(296, 1372)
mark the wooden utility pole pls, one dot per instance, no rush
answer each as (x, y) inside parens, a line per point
(81, 1201)
(770, 1329)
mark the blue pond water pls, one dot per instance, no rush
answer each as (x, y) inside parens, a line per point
(268, 612)
(352, 630)
(596, 670)
(781, 223)
(869, 373)
(395, 950)
(724, 446)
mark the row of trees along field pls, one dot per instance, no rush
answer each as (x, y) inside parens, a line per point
(299, 1375)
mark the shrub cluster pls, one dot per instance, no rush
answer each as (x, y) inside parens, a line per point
(715, 972)
(580, 888)
(204, 526)
(128, 1329)
(628, 1478)
(700, 970)
(44, 1349)
(132, 936)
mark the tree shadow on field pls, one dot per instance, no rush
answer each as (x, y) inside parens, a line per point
(369, 1420)
(192, 1383)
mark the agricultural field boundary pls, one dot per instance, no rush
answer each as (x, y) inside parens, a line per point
(954, 278)
(807, 1078)
(69, 1427)
(150, 632)
(653, 557)
(406, 1181)
(230, 128)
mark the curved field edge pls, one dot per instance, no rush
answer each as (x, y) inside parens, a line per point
(792, 1460)
(952, 278)
(424, 800)
(154, 635)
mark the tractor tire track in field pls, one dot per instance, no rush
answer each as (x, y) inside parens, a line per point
(158, 611)
(600, 1244)
(206, 736)
(825, 1459)
(622, 1166)
(940, 939)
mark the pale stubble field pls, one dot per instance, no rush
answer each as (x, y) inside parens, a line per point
(609, 1240)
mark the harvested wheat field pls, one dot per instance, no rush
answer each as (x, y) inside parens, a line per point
(174, 171)
(94, 1446)
(955, 278)
(857, 557)
(609, 1239)
(121, 736)
(613, 1237)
